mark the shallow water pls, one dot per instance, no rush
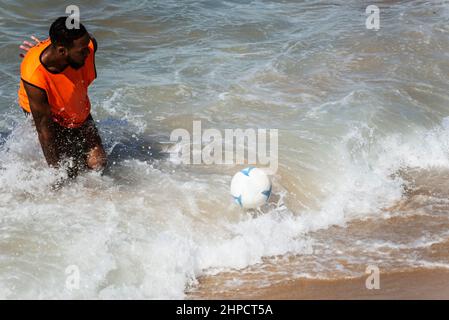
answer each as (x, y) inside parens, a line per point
(363, 124)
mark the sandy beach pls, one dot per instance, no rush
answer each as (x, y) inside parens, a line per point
(420, 284)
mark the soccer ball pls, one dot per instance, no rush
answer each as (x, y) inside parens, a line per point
(250, 188)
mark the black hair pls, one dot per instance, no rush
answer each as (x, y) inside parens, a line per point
(61, 35)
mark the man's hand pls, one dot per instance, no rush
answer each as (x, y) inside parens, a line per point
(28, 45)
(41, 111)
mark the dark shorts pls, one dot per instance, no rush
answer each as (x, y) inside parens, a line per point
(75, 143)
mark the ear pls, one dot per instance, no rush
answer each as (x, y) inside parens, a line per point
(61, 50)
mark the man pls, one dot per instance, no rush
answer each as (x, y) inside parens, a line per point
(55, 75)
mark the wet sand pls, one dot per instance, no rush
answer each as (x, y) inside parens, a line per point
(419, 284)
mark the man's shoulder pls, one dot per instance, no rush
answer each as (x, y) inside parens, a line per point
(94, 43)
(31, 65)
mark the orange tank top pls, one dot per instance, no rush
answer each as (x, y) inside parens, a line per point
(66, 91)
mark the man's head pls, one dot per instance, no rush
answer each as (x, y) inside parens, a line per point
(70, 44)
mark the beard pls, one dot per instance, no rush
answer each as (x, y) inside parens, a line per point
(75, 65)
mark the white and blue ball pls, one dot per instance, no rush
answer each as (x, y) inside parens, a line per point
(251, 188)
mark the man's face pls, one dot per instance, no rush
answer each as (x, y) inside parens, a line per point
(76, 56)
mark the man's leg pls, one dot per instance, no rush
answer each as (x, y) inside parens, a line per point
(68, 146)
(83, 145)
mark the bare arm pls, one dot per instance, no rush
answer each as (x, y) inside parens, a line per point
(40, 109)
